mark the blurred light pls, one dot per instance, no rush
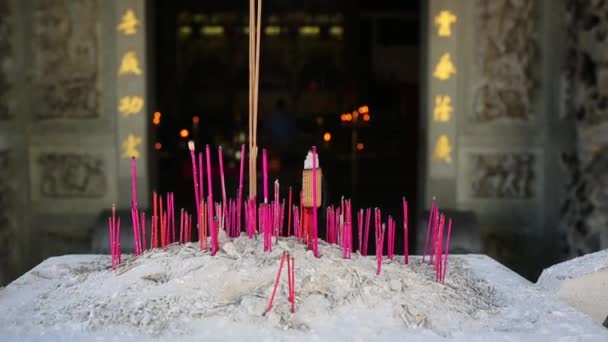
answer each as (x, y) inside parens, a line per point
(364, 109)
(366, 117)
(272, 30)
(310, 30)
(195, 119)
(360, 146)
(336, 31)
(355, 114)
(327, 137)
(348, 117)
(184, 133)
(212, 30)
(158, 146)
(156, 119)
(319, 120)
(237, 155)
(185, 32)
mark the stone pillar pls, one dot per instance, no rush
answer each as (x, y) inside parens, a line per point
(61, 126)
(501, 123)
(585, 85)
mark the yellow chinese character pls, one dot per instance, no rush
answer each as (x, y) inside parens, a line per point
(443, 109)
(445, 68)
(129, 146)
(129, 64)
(128, 23)
(130, 105)
(444, 21)
(443, 149)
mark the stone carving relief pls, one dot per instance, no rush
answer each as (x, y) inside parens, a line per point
(585, 203)
(65, 59)
(502, 175)
(72, 175)
(5, 60)
(508, 60)
(587, 61)
(7, 231)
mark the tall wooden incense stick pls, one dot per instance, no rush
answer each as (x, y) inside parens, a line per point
(254, 72)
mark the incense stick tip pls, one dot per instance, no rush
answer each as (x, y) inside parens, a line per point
(191, 145)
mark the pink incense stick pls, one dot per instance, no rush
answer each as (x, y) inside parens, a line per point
(379, 250)
(434, 229)
(447, 251)
(118, 240)
(143, 230)
(201, 183)
(289, 214)
(368, 214)
(265, 174)
(314, 203)
(221, 159)
(194, 177)
(428, 228)
(293, 285)
(134, 180)
(213, 233)
(406, 258)
(239, 198)
(276, 284)
(182, 237)
(111, 236)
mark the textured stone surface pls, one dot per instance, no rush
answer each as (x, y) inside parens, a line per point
(585, 207)
(65, 46)
(508, 54)
(72, 175)
(184, 294)
(581, 282)
(502, 175)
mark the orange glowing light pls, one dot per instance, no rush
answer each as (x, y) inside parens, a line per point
(158, 146)
(184, 133)
(327, 137)
(364, 109)
(355, 114)
(348, 117)
(156, 121)
(195, 120)
(360, 146)
(366, 117)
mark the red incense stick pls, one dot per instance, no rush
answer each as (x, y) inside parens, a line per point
(265, 174)
(428, 228)
(276, 284)
(143, 230)
(406, 258)
(194, 175)
(214, 241)
(221, 160)
(314, 203)
(447, 251)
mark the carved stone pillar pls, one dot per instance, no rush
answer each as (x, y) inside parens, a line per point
(585, 208)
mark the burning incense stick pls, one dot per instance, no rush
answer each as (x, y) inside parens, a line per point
(265, 175)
